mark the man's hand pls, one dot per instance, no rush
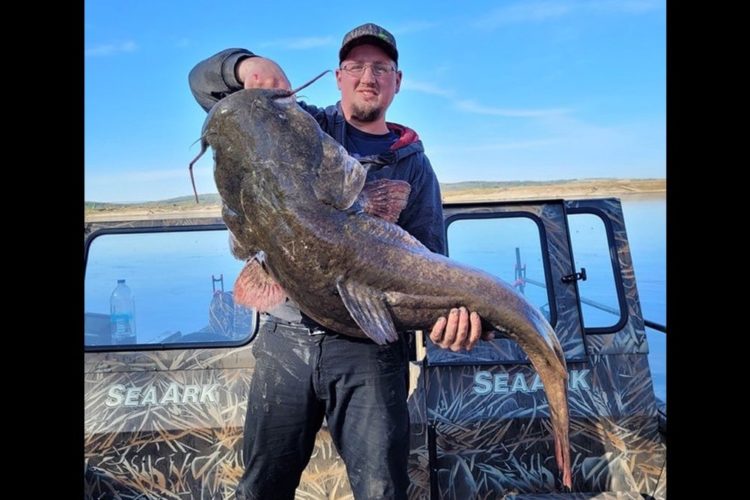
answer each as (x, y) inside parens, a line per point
(460, 331)
(261, 73)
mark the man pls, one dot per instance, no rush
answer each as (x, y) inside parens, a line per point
(304, 372)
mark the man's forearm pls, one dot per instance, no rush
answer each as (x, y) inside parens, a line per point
(215, 77)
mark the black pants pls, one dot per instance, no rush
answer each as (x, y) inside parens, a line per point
(359, 386)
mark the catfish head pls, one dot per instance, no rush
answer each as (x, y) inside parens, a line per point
(262, 137)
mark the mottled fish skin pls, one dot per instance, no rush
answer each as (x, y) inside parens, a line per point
(289, 192)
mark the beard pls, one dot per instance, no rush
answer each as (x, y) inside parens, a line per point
(366, 113)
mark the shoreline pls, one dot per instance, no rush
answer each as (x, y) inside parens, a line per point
(567, 190)
(606, 188)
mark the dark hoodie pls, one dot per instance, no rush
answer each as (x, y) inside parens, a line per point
(215, 78)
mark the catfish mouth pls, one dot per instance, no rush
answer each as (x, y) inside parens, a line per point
(284, 99)
(280, 94)
(289, 93)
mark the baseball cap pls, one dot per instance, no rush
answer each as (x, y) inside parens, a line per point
(369, 33)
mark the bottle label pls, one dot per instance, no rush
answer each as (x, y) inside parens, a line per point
(121, 329)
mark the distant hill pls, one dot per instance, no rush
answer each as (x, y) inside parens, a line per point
(210, 204)
(460, 186)
(180, 201)
(557, 189)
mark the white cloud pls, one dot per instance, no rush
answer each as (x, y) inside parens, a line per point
(425, 87)
(111, 49)
(524, 12)
(627, 6)
(562, 147)
(529, 144)
(471, 106)
(474, 107)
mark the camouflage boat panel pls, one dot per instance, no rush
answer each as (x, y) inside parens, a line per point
(493, 433)
(632, 337)
(167, 423)
(554, 236)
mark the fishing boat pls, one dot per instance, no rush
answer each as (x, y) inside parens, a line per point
(164, 416)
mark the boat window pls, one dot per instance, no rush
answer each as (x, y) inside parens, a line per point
(509, 247)
(180, 283)
(601, 306)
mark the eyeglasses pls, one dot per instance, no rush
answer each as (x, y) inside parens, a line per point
(357, 69)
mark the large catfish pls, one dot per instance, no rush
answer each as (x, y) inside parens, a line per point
(291, 200)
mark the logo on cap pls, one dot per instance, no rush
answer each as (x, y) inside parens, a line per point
(369, 33)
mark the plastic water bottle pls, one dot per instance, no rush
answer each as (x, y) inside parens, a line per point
(122, 314)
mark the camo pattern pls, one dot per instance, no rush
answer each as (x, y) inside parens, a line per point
(168, 424)
(491, 428)
(554, 237)
(632, 337)
(486, 443)
(579, 496)
(494, 438)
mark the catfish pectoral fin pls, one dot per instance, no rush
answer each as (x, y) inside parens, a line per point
(385, 198)
(367, 307)
(255, 288)
(339, 177)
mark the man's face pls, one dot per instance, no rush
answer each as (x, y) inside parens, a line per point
(366, 97)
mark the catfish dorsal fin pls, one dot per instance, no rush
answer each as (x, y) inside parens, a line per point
(367, 307)
(385, 198)
(256, 288)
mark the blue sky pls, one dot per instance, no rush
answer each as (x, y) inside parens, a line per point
(497, 90)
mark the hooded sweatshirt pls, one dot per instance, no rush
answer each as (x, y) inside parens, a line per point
(215, 78)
